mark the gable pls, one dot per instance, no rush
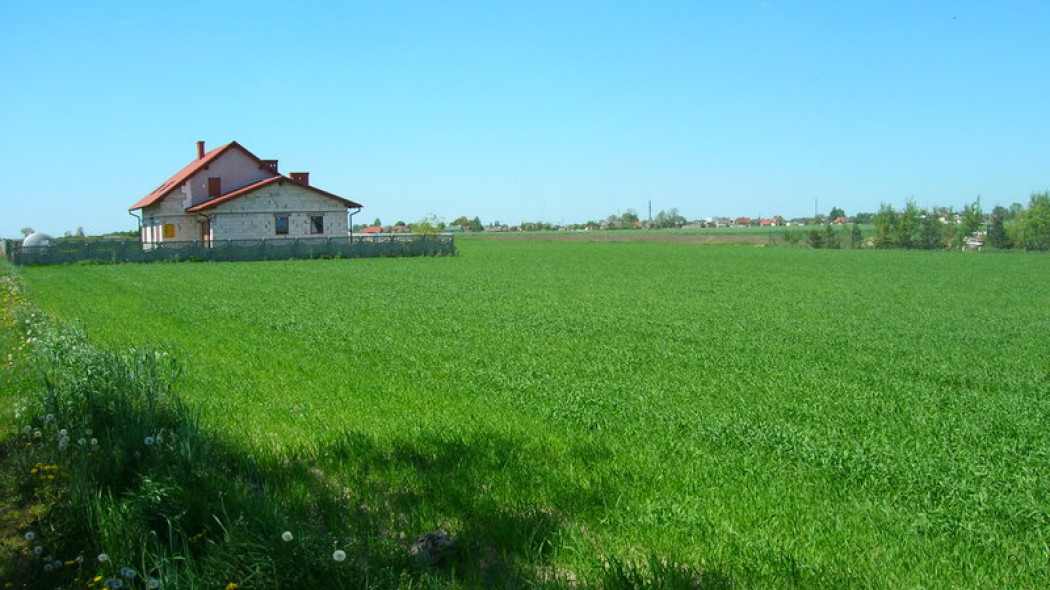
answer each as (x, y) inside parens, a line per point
(238, 166)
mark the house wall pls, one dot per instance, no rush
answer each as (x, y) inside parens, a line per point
(171, 211)
(252, 216)
(234, 167)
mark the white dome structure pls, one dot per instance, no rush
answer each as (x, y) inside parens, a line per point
(37, 240)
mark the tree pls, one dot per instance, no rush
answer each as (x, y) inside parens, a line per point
(931, 232)
(831, 238)
(399, 222)
(1033, 224)
(836, 212)
(886, 221)
(997, 237)
(79, 233)
(431, 224)
(475, 224)
(908, 226)
(856, 238)
(27, 230)
(816, 241)
(629, 218)
(969, 224)
(377, 222)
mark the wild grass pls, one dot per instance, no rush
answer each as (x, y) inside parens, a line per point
(613, 414)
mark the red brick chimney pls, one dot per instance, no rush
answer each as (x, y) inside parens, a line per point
(302, 178)
(271, 164)
(200, 149)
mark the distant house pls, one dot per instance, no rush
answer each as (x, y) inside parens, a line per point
(373, 229)
(230, 194)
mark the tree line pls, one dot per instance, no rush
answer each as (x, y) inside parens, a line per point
(916, 228)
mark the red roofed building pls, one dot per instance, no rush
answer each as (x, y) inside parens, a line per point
(230, 194)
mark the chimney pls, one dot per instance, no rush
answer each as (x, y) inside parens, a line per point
(200, 149)
(271, 164)
(302, 178)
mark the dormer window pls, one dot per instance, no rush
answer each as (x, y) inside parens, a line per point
(214, 187)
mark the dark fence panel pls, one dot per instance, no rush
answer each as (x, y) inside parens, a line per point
(108, 251)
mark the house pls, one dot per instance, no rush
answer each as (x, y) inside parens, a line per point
(230, 194)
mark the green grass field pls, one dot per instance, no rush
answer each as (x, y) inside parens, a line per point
(774, 417)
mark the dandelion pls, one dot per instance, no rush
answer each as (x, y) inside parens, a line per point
(231, 586)
(94, 442)
(103, 558)
(153, 583)
(30, 536)
(63, 432)
(88, 432)
(287, 536)
(48, 567)
(149, 441)
(127, 572)
(81, 441)
(37, 434)
(38, 550)
(57, 564)
(27, 429)
(49, 417)
(339, 555)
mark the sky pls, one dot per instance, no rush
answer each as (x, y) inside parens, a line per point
(559, 111)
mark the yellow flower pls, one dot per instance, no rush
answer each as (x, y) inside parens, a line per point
(231, 586)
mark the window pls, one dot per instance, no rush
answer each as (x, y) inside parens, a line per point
(280, 225)
(214, 187)
(169, 230)
(317, 224)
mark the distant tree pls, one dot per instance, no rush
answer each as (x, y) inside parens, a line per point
(931, 232)
(863, 218)
(377, 222)
(629, 218)
(1015, 210)
(908, 225)
(461, 221)
(399, 222)
(856, 237)
(431, 224)
(27, 230)
(816, 240)
(475, 224)
(997, 237)
(79, 233)
(969, 224)
(831, 238)
(835, 213)
(1033, 224)
(886, 221)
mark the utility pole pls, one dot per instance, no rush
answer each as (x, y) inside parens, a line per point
(650, 213)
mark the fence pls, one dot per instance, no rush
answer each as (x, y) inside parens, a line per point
(111, 251)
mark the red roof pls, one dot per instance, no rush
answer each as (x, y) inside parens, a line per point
(183, 175)
(266, 182)
(375, 229)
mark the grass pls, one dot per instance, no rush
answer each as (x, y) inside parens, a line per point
(620, 413)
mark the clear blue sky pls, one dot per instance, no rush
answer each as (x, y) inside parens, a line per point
(560, 111)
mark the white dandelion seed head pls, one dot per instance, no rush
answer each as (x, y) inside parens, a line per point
(30, 535)
(63, 432)
(339, 555)
(49, 417)
(103, 558)
(94, 442)
(149, 440)
(153, 583)
(88, 432)
(127, 572)
(287, 536)
(38, 550)
(48, 567)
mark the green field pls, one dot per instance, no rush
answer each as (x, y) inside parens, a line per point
(775, 417)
